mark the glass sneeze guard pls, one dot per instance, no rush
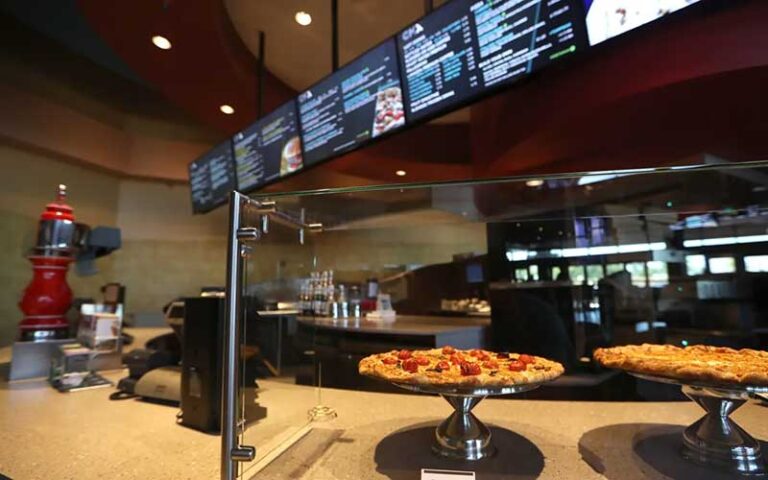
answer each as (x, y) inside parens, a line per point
(670, 255)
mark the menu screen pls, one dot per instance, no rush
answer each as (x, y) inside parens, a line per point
(516, 37)
(467, 46)
(362, 100)
(268, 149)
(211, 178)
(438, 60)
(610, 18)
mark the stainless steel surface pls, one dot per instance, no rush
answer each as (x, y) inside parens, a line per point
(33, 359)
(462, 435)
(243, 454)
(715, 440)
(230, 364)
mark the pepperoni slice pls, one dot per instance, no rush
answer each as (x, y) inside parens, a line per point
(404, 354)
(516, 366)
(443, 365)
(468, 368)
(410, 365)
(475, 353)
(491, 365)
(422, 360)
(457, 359)
(448, 350)
(389, 360)
(502, 356)
(526, 359)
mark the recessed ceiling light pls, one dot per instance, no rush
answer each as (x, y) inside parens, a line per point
(227, 109)
(400, 173)
(303, 18)
(161, 42)
(534, 183)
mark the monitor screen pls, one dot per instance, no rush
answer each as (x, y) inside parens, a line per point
(610, 18)
(211, 178)
(268, 149)
(360, 101)
(467, 46)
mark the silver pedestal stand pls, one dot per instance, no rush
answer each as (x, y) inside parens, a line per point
(462, 435)
(715, 440)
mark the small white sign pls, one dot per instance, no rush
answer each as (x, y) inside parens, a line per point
(433, 474)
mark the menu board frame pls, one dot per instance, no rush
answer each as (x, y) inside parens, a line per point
(294, 102)
(370, 140)
(220, 201)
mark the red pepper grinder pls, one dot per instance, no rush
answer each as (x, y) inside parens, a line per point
(48, 297)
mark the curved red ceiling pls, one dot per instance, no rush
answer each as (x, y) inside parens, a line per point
(208, 65)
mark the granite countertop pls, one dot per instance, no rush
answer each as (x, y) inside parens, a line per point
(403, 324)
(45, 434)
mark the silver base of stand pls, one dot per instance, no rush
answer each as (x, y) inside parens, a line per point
(321, 413)
(715, 440)
(462, 435)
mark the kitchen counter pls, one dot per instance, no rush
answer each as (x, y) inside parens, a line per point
(84, 435)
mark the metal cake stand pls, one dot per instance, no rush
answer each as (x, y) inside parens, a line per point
(715, 440)
(462, 435)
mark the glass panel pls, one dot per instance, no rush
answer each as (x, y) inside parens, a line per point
(577, 274)
(722, 265)
(594, 274)
(612, 268)
(275, 353)
(556, 270)
(695, 265)
(756, 263)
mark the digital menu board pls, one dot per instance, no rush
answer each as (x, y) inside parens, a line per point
(211, 178)
(437, 59)
(606, 19)
(360, 101)
(467, 46)
(517, 37)
(268, 149)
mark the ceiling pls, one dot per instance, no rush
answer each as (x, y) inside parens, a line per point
(301, 56)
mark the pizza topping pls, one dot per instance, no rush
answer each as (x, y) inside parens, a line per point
(448, 350)
(410, 365)
(527, 359)
(457, 359)
(473, 367)
(517, 366)
(468, 368)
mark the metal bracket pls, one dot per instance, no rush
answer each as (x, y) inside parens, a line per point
(243, 453)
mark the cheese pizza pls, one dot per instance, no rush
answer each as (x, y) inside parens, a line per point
(702, 363)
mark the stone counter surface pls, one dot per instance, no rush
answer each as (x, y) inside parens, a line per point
(45, 434)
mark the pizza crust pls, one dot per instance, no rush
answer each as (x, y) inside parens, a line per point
(702, 363)
(537, 371)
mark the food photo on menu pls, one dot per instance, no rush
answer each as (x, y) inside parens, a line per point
(610, 18)
(389, 110)
(290, 157)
